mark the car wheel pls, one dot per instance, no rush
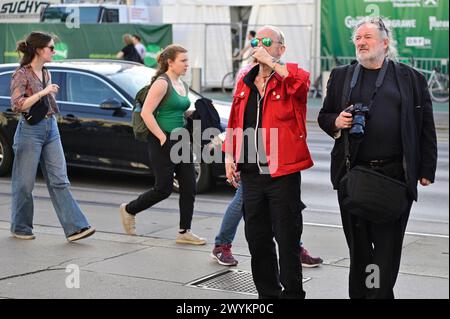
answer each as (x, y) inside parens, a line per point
(6, 157)
(203, 178)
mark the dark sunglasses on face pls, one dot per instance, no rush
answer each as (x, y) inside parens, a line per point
(51, 47)
(267, 42)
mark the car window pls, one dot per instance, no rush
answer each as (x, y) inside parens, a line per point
(82, 88)
(5, 82)
(110, 15)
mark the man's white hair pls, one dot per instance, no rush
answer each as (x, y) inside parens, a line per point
(385, 33)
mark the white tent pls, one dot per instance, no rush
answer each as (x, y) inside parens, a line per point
(203, 27)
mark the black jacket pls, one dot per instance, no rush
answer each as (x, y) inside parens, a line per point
(418, 133)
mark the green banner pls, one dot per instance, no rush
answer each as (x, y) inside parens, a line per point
(420, 27)
(89, 41)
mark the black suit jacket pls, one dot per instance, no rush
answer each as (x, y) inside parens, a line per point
(418, 133)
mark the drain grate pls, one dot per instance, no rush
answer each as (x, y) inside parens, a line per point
(235, 280)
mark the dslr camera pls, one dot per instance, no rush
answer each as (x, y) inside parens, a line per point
(359, 112)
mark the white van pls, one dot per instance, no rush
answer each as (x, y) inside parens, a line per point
(102, 13)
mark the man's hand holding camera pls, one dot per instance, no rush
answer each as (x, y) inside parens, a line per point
(344, 120)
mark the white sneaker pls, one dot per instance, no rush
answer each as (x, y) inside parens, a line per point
(190, 238)
(83, 233)
(128, 220)
(24, 237)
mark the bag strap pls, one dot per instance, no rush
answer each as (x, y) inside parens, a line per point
(44, 81)
(344, 102)
(166, 78)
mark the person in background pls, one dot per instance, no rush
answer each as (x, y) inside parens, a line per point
(129, 52)
(241, 54)
(140, 48)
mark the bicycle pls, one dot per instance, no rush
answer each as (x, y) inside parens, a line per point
(437, 83)
(229, 79)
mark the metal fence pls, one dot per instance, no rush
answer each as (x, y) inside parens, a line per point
(427, 64)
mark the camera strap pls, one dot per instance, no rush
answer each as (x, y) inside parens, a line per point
(378, 84)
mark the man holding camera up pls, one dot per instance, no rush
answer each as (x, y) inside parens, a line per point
(380, 114)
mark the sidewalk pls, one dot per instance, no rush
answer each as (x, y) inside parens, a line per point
(152, 266)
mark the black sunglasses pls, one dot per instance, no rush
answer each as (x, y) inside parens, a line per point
(51, 47)
(382, 26)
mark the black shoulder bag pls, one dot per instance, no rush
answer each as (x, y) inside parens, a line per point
(366, 193)
(39, 109)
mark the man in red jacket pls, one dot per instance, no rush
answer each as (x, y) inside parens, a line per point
(266, 148)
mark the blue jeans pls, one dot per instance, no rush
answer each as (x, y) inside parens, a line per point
(231, 219)
(34, 144)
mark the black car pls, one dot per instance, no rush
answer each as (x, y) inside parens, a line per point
(95, 101)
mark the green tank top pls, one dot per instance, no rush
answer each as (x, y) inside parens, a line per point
(170, 112)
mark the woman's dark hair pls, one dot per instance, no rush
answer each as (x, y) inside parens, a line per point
(36, 40)
(169, 53)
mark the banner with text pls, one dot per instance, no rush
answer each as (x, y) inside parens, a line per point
(420, 27)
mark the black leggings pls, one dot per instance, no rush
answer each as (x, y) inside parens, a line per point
(163, 169)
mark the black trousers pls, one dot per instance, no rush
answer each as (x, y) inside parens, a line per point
(377, 245)
(163, 169)
(272, 209)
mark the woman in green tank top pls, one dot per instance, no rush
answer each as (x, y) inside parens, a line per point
(163, 113)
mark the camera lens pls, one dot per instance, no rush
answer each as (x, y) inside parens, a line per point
(358, 124)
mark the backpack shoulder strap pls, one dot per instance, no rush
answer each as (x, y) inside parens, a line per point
(166, 78)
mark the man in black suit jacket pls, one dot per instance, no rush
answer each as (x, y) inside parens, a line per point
(399, 141)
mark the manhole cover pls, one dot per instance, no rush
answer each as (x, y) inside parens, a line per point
(235, 280)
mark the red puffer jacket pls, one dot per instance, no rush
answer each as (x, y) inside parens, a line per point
(284, 121)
